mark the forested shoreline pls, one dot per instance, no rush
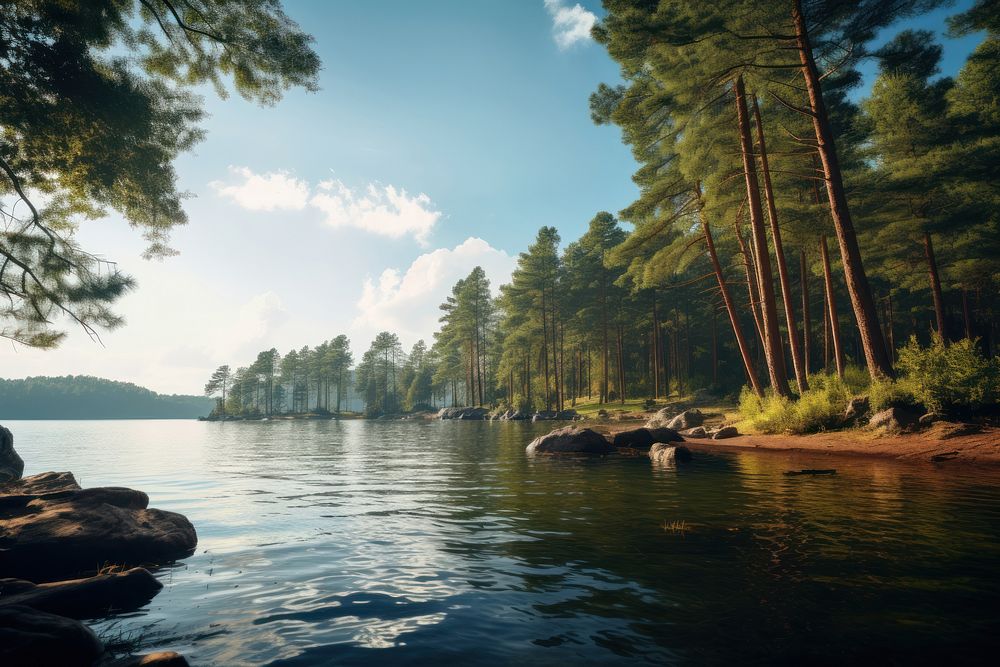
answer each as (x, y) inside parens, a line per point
(787, 238)
(85, 397)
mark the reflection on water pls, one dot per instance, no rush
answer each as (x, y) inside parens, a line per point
(405, 542)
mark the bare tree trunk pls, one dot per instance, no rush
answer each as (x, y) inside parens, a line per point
(932, 270)
(734, 319)
(656, 352)
(850, 253)
(838, 352)
(604, 333)
(806, 320)
(545, 353)
(621, 367)
(779, 256)
(965, 314)
(751, 273)
(772, 337)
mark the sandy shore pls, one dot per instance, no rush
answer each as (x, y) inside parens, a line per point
(941, 443)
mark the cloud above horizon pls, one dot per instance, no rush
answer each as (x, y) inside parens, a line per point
(384, 210)
(570, 25)
(271, 191)
(406, 302)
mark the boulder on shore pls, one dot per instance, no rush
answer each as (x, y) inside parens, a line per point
(11, 465)
(50, 528)
(725, 432)
(696, 432)
(661, 418)
(669, 453)
(570, 440)
(463, 413)
(29, 637)
(641, 438)
(857, 408)
(893, 419)
(687, 419)
(83, 598)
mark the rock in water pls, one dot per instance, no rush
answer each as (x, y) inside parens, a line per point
(83, 598)
(641, 438)
(11, 465)
(160, 659)
(660, 453)
(31, 638)
(463, 413)
(50, 528)
(687, 419)
(571, 440)
(893, 419)
(725, 432)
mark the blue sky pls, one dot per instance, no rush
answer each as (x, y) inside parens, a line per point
(443, 136)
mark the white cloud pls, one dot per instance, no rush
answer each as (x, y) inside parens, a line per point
(407, 302)
(271, 191)
(569, 24)
(378, 209)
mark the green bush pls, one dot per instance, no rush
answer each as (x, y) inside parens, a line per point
(820, 408)
(949, 378)
(888, 394)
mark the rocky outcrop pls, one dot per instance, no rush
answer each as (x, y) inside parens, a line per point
(463, 413)
(571, 440)
(50, 528)
(669, 454)
(29, 638)
(83, 598)
(511, 415)
(856, 410)
(893, 419)
(687, 419)
(661, 418)
(725, 432)
(642, 438)
(696, 432)
(11, 465)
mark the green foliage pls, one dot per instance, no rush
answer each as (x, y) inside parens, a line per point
(949, 377)
(820, 408)
(884, 394)
(94, 108)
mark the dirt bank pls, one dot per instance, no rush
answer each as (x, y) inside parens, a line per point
(940, 443)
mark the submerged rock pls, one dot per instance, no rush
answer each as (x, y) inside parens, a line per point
(725, 432)
(570, 440)
(51, 528)
(83, 598)
(645, 437)
(11, 465)
(893, 419)
(30, 638)
(661, 453)
(687, 419)
(159, 659)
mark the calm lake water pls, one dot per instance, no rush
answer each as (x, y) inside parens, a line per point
(412, 543)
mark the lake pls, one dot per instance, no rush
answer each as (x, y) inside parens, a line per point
(404, 542)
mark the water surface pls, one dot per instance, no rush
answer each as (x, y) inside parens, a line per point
(412, 542)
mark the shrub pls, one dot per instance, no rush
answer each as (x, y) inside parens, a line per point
(818, 409)
(948, 378)
(888, 394)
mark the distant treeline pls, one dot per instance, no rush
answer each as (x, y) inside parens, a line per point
(85, 397)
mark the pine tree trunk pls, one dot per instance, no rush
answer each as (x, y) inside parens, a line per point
(965, 314)
(806, 319)
(935, 279)
(734, 319)
(854, 271)
(779, 256)
(545, 354)
(751, 274)
(772, 337)
(604, 327)
(621, 367)
(656, 352)
(838, 352)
